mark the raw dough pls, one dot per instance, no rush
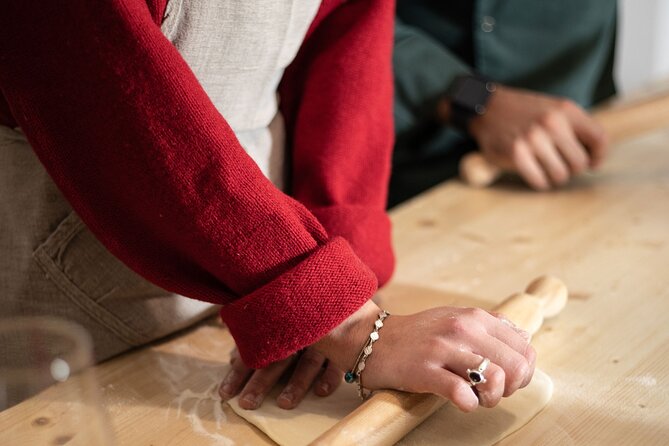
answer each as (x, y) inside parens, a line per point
(484, 427)
(305, 423)
(448, 425)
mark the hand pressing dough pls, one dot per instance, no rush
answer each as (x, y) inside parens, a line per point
(302, 425)
(448, 425)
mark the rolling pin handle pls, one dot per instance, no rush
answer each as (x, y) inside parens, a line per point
(551, 292)
(476, 171)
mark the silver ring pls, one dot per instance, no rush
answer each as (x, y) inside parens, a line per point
(476, 375)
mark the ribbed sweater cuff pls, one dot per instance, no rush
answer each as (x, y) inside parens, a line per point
(367, 230)
(301, 306)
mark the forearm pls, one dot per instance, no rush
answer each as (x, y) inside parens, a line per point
(136, 146)
(337, 96)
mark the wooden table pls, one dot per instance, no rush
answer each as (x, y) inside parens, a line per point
(606, 236)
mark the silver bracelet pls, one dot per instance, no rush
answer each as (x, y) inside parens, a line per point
(355, 374)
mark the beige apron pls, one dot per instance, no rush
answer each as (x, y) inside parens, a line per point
(51, 264)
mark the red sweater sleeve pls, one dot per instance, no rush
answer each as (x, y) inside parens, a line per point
(134, 143)
(337, 98)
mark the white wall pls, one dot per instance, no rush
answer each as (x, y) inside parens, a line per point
(643, 43)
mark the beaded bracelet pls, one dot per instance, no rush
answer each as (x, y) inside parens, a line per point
(355, 374)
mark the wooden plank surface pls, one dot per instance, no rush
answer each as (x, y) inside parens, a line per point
(606, 236)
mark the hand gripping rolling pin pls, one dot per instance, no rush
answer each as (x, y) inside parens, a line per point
(389, 415)
(620, 123)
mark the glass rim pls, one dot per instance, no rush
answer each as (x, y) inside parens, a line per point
(79, 356)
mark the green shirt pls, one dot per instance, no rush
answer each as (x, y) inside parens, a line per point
(563, 48)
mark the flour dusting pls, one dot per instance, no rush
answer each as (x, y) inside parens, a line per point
(644, 380)
(193, 414)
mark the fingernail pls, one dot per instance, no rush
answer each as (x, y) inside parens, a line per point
(287, 396)
(226, 390)
(325, 387)
(252, 400)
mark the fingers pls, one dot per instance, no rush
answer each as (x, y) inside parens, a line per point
(518, 369)
(328, 381)
(504, 346)
(548, 156)
(260, 383)
(451, 386)
(503, 319)
(588, 131)
(506, 331)
(489, 392)
(528, 167)
(308, 367)
(236, 377)
(564, 142)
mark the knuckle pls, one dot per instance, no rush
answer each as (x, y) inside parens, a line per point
(517, 150)
(495, 377)
(297, 384)
(259, 382)
(530, 354)
(534, 133)
(435, 344)
(458, 326)
(311, 360)
(552, 120)
(477, 313)
(567, 105)
(517, 374)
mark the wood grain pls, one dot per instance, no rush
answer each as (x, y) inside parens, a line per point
(608, 352)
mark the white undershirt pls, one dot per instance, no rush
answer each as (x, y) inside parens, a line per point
(238, 50)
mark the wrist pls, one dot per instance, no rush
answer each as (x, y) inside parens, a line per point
(342, 345)
(478, 123)
(468, 98)
(443, 110)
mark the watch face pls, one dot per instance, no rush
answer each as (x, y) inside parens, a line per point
(473, 93)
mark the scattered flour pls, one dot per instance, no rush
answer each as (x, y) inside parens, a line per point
(191, 404)
(644, 380)
(209, 396)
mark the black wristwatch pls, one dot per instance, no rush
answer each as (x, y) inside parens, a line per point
(469, 95)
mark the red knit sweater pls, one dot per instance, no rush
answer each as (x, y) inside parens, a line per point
(131, 139)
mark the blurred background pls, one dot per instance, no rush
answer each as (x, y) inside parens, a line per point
(643, 43)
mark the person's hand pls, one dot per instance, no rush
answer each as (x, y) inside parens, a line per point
(546, 140)
(430, 352)
(311, 368)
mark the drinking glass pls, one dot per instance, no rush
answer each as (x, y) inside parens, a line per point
(48, 391)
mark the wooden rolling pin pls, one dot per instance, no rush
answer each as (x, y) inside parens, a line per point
(389, 415)
(620, 122)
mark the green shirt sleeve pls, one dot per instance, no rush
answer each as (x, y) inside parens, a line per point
(417, 85)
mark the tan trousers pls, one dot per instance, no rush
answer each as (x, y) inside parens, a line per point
(51, 264)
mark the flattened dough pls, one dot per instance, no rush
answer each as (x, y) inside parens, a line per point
(448, 425)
